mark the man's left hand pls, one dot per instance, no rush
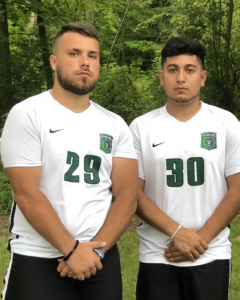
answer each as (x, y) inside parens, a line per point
(172, 254)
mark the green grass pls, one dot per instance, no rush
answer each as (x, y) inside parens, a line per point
(235, 276)
(4, 259)
(128, 247)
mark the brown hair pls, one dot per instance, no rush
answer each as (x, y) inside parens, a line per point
(81, 28)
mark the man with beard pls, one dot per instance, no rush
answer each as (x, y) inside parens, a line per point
(189, 169)
(66, 157)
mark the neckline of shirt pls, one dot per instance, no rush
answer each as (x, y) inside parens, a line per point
(196, 116)
(67, 110)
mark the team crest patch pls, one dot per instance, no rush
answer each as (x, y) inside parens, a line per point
(106, 143)
(209, 140)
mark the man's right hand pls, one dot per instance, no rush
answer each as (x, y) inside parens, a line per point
(189, 243)
(84, 262)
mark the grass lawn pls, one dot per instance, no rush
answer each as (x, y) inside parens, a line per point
(128, 247)
(4, 259)
(235, 276)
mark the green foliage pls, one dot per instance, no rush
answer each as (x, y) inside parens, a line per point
(148, 25)
(128, 91)
(116, 92)
(6, 197)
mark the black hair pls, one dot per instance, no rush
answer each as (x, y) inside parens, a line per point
(179, 45)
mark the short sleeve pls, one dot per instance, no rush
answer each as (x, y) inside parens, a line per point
(232, 165)
(134, 128)
(124, 147)
(20, 143)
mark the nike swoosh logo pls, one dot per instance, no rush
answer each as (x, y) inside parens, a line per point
(158, 144)
(53, 131)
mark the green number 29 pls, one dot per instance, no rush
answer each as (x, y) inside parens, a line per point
(195, 171)
(92, 165)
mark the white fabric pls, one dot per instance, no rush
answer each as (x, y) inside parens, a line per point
(190, 206)
(28, 142)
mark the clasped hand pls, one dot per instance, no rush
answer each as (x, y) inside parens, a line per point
(187, 245)
(83, 263)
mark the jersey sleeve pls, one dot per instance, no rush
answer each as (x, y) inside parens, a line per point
(20, 143)
(134, 128)
(232, 165)
(124, 147)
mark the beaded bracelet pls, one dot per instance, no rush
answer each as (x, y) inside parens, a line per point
(71, 252)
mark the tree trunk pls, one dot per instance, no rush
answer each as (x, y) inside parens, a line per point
(122, 44)
(33, 18)
(220, 23)
(4, 43)
(90, 13)
(45, 51)
(123, 21)
(5, 67)
(228, 36)
(121, 47)
(228, 89)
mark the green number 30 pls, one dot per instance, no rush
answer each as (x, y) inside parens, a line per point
(195, 171)
(92, 165)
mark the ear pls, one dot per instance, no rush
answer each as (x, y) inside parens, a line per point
(160, 75)
(53, 62)
(203, 77)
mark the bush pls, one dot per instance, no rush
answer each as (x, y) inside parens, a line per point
(6, 197)
(128, 91)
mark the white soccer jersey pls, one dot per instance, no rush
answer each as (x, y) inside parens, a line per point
(75, 152)
(185, 165)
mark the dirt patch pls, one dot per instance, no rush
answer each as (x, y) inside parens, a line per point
(134, 223)
(4, 224)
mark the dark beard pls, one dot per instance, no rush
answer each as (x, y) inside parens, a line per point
(82, 89)
(183, 100)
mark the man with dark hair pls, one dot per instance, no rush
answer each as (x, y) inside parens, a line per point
(178, 46)
(189, 164)
(66, 157)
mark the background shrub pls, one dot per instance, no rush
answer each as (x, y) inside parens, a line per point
(6, 197)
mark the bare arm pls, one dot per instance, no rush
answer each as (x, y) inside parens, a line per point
(220, 219)
(187, 241)
(124, 187)
(225, 212)
(42, 217)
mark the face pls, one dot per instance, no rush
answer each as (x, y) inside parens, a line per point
(182, 77)
(76, 63)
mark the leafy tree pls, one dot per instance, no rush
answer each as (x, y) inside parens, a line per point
(132, 33)
(5, 67)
